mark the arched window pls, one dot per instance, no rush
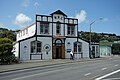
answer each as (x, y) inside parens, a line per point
(58, 42)
(77, 47)
(36, 46)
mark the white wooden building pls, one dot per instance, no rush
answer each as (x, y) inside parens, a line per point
(50, 37)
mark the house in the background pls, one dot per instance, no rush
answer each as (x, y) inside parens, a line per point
(51, 37)
(105, 49)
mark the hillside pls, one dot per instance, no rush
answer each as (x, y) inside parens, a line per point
(96, 37)
(5, 33)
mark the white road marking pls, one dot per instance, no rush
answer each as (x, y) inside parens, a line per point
(112, 79)
(87, 74)
(103, 69)
(100, 78)
(116, 65)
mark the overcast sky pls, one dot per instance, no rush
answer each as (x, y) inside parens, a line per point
(18, 14)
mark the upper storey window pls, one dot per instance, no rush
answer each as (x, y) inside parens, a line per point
(71, 30)
(58, 28)
(44, 28)
(58, 17)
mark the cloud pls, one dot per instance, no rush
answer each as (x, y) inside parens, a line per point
(81, 16)
(22, 20)
(1, 25)
(26, 3)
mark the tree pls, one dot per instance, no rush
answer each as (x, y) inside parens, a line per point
(5, 33)
(5, 49)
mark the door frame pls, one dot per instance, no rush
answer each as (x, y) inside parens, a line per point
(58, 44)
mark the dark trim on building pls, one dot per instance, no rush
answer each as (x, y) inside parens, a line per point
(36, 29)
(41, 18)
(44, 35)
(59, 12)
(71, 36)
(47, 18)
(71, 18)
(57, 22)
(68, 21)
(77, 31)
(43, 15)
(19, 50)
(65, 31)
(26, 38)
(64, 26)
(52, 39)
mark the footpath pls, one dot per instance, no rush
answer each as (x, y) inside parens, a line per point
(40, 63)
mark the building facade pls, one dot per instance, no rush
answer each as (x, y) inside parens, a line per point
(51, 37)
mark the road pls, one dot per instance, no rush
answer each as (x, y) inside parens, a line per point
(88, 70)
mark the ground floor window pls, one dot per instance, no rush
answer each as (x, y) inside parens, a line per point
(36, 47)
(77, 47)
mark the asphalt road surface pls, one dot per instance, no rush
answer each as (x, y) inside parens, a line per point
(106, 69)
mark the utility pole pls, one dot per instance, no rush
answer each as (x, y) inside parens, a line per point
(90, 50)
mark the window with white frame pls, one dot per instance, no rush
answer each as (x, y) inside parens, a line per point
(71, 29)
(77, 47)
(36, 47)
(58, 28)
(44, 28)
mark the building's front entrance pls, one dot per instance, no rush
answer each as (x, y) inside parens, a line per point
(58, 50)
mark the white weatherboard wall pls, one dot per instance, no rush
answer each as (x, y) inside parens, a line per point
(16, 49)
(69, 46)
(85, 48)
(28, 32)
(48, 41)
(25, 49)
(60, 19)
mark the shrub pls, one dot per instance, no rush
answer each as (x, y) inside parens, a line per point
(6, 56)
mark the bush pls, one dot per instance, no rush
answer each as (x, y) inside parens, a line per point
(6, 56)
(9, 59)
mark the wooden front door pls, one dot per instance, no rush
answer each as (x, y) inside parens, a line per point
(63, 52)
(58, 52)
(54, 52)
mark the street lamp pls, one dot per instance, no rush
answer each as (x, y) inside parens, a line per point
(90, 54)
